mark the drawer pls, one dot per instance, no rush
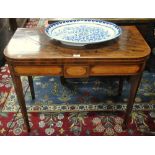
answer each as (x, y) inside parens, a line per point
(76, 71)
(114, 69)
(38, 70)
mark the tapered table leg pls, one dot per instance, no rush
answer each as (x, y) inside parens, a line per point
(21, 100)
(120, 88)
(63, 80)
(135, 81)
(30, 80)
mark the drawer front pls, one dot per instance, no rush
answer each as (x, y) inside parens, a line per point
(76, 71)
(38, 70)
(114, 70)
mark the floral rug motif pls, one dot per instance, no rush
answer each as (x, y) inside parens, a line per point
(77, 124)
(92, 94)
(5, 84)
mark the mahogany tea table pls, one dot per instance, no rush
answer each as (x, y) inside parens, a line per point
(31, 53)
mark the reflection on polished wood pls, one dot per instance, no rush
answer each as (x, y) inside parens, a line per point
(30, 52)
(36, 45)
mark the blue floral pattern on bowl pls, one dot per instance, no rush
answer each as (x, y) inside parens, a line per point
(83, 32)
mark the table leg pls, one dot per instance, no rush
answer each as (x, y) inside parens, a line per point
(30, 80)
(63, 80)
(120, 88)
(135, 81)
(21, 100)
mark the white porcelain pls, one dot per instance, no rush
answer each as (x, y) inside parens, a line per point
(83, 32)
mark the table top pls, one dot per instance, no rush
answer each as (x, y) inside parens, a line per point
(34, 45)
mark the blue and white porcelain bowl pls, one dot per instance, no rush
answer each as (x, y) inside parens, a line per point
(83, 32)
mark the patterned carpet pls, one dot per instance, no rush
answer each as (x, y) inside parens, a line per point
(89, 94)
(80, 95)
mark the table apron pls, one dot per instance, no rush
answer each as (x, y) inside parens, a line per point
(77, 71)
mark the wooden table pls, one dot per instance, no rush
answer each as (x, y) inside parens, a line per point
(31, 53)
